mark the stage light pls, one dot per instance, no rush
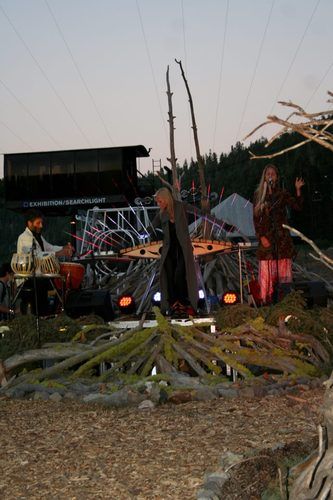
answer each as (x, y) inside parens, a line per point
(126, 304)
(229, 298)
(201, 301)
(156, 300)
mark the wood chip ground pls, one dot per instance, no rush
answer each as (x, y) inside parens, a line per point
(76, 451)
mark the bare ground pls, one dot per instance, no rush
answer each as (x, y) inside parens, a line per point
(76, 451)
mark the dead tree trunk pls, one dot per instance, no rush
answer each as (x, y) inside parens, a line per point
(204, 198)
(172, 159)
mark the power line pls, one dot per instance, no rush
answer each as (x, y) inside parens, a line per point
(220, 73)
(27, 110)
(255, 69)
(44, 74)
(295, 55)
(151, 69)
(15, 135)
(79, 72)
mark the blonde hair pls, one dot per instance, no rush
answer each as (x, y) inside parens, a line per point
(166, 195)
(260, 193)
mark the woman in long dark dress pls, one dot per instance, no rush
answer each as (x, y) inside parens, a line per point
(178, 280)
(275, 250)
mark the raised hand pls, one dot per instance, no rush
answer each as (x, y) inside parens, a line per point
(299, 183)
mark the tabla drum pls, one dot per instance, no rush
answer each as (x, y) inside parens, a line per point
(22, 263)
(73, 274)
(48, 265)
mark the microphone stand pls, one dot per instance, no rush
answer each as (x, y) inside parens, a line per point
(34, 266)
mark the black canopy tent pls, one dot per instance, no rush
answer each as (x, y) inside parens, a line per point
(61, 182)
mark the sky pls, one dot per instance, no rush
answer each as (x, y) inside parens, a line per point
(83, 74)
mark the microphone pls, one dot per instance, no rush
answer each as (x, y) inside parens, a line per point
(33, 255)
(270, 181)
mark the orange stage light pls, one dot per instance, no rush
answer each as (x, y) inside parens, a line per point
(229, 298)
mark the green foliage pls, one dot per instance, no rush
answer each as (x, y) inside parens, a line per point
(54, 384)
(163, 324)
(232, 316)
(246, 339)
(127, 379)
(89, 332)
(92, 319)
(317, 321)
(257, 332)
(292, 304)
(117, 351)
(230, 359)
(22, 334)
(213, 379)
(169, 353)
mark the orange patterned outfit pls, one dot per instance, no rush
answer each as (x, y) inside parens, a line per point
(275, 262)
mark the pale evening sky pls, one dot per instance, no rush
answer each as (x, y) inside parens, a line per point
(85, 74)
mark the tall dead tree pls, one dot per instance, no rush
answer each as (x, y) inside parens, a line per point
(172, 159)
(205, 206)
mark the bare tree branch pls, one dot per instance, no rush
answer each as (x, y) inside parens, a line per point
(313, 127)
(322, 257)
(204, 198)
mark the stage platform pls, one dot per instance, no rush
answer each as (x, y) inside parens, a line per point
(151, 323)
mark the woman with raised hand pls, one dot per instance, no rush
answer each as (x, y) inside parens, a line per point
(275, 250)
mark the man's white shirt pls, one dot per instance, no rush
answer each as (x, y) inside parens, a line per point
(26, 240)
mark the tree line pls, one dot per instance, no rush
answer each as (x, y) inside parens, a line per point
(232, 172)
(235, 172)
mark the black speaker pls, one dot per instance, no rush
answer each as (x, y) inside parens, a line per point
(84, 302)
(314, 292)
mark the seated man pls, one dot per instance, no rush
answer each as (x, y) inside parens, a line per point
(32, 241)
(32, 238)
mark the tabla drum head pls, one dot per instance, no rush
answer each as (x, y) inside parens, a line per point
(22, 264)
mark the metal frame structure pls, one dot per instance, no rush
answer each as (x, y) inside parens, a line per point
(115, 222)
